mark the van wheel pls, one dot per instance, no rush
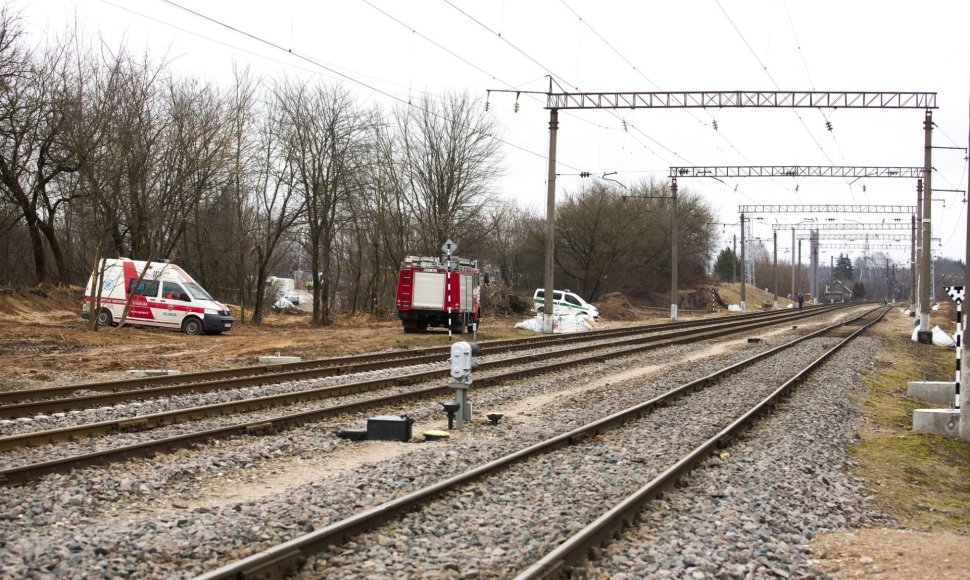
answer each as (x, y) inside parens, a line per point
(192, 326)
(104, 317)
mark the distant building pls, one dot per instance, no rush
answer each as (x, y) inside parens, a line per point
(836, 292)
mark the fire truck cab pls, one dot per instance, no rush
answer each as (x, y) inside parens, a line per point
(432, 292)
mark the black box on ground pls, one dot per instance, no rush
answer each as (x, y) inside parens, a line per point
(390, 428)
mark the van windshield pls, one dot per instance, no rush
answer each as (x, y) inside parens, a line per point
(197, 292)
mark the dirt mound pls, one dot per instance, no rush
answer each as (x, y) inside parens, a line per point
(700, 299)
(26, 304)
(616, 306)
(754, 297)
(500, 300)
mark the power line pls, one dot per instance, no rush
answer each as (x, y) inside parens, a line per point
(332, 70)
(644, 76)
(557, 78)
(771, 78)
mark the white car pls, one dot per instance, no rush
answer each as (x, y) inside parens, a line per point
(565, 300)
(293, 297)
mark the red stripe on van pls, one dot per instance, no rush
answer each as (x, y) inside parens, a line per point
(130, 273)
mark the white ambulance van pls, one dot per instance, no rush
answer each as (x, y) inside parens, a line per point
(167, 296)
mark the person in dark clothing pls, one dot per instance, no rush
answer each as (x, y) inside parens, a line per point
(801, 300)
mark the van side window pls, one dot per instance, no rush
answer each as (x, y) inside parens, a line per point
(145, 288)
(572, 300)
(172, 291)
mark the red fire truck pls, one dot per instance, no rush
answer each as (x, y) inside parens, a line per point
(431, 292)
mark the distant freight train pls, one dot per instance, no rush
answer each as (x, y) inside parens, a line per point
(435, 293)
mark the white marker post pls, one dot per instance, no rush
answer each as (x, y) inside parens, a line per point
(956, 293)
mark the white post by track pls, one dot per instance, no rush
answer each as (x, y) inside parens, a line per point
(448, 248)
(956, 293)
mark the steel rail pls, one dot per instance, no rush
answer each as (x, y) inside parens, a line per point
(32, 408)
(144, 422)
(284, 558)
(21, 474)
(204, 381)
(555, 563)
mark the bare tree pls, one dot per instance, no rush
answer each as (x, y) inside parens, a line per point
(276, 201)
(450, 160)
(36, 105)
(324, 131)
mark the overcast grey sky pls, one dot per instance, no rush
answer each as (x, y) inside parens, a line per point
(387, 51)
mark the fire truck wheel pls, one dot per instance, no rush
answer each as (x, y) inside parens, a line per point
(192, 326)
(104, 317)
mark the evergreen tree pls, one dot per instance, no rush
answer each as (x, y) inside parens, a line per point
(843, 269)
(728, 266)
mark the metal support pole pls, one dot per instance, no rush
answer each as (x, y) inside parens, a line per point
(548, 304)
(912, 266)
(813, 266)
(744, 266)
(674, 298)
(734, 265)
(774, 288)
(924, 284)
(799, 266)
(965, 359)
(793, 295)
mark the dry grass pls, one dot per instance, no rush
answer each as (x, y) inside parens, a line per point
(753, 297)
(923, 479)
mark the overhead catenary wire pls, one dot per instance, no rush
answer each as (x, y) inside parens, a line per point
(713, 124)
(559, 79)
(771, 78)
(811, 81)
(345, 76)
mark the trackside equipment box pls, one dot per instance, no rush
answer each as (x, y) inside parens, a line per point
(389, 428)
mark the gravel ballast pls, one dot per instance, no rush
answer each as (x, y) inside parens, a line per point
(57, 525)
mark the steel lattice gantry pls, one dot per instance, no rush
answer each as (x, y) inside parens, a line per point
(835, 208)
(875, 238)
(741, 99)
(706, 99)
(873, 246)
(841, 226)
(848, 171)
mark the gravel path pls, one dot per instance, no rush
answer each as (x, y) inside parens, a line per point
(133, 518)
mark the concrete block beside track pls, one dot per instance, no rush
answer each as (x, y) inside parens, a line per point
(153, 372)
(932, 391)
(278, 359)
(943, 421)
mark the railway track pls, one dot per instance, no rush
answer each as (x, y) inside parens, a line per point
(27, 402)
(526, 365)
(497, 491)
